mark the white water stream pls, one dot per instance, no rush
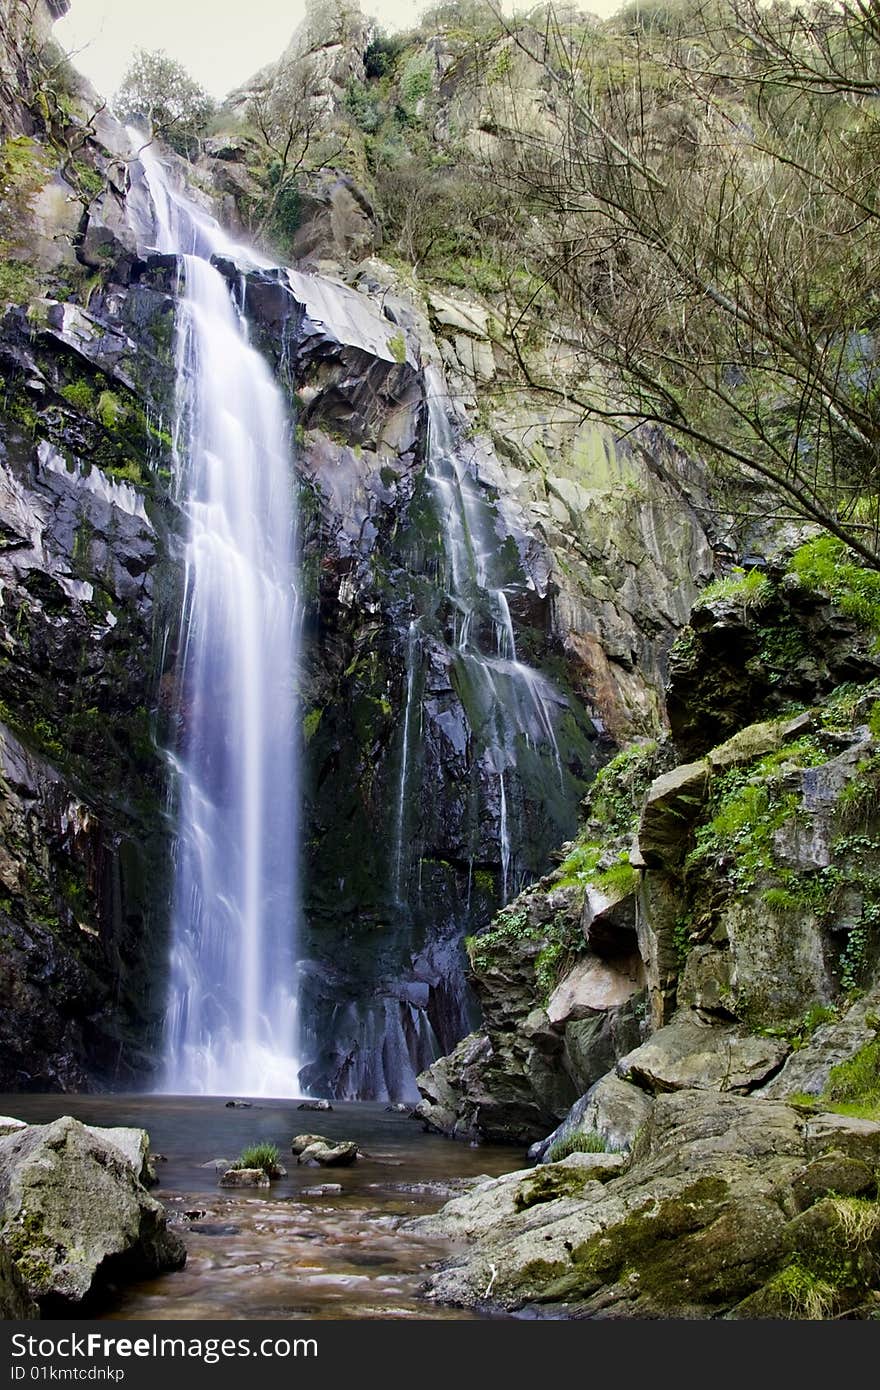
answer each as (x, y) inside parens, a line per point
(231, 1023)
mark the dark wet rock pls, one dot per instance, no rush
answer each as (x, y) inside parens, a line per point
(324, 1189)
(239, 1105)
(75, 1216)
(315, 1105)
(720, 678)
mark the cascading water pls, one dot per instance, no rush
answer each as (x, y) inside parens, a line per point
(231, 1024)
(508, 698)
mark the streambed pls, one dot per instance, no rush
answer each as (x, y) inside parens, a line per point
(283, 1253)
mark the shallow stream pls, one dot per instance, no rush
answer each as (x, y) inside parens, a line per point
(284, 1252)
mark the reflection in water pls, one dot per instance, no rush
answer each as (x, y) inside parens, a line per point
(286, 1253)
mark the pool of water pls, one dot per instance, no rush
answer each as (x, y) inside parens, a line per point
(285, 1252)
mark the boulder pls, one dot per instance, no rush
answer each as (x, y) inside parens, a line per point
(807, 1070)
(315, 1105)
(329, 1155)
(75, 1216)
(244, 1177)
(609, 919)
(594, 985)
(463, 316)
(8, 1125)
(673, 804)
(134, 1145)
(614, 1109)
(300, 1142)
(752, 742)
(688, 1054)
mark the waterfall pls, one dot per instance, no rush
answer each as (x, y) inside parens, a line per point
(231, 1023)
(508, 699)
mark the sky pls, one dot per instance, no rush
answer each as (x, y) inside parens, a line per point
(220, 42)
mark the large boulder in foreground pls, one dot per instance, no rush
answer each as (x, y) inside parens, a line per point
(75, 1216)
(730, 1206)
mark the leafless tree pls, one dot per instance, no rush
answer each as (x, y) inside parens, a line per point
(704, 221)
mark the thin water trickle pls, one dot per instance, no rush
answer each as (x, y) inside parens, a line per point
(412, 647)
(513, 699)
(231, 1021)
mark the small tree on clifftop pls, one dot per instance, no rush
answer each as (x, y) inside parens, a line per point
(161, 90)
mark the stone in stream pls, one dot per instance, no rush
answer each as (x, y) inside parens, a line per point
(75, 1216)
(218, 1164)
(239, 1105)
(305, 1141)
(329, 1156)
(315, 1105)
(324, 1189)
(244, 1177)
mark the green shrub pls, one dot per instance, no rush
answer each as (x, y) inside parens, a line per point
(827, 565)
(584, 1142)
(263, 1156)
(751, 589)
(855, 1084)
(80, 395)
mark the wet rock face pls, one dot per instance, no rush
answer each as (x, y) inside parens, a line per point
(87, 531)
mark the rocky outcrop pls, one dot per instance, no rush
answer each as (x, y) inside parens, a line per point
(75, 1216)
(729, 1206)
(547, 1034)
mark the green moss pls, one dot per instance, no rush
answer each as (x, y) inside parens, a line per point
(128, 471)
(81, 395)
(618, 880)
(661, 1242)
(579, 865)
(616, 796)
(854, 1086)
(397, 347)
(310, 724)
(111, 411)
(794, 1293)
(18, 280)
(548, 1184)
